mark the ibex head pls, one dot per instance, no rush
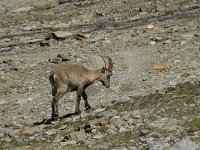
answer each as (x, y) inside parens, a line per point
(106, 72)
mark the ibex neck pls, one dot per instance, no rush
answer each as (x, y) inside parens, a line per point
(94, 75)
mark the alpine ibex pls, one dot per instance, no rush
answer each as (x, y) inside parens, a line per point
(74, 77)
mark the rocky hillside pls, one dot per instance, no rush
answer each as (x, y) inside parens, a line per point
(154, 99)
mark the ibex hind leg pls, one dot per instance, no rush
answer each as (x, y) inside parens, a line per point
(78, 99)
(58, 94)
(87, 106)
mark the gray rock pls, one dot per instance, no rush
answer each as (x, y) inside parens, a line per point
(2, 134)
(63, 127)
(29, 28)
(73, 142)
(64, 57)
(122, 129)
(98, 136)
(55, 60)
(61, 34)
(23, 9)
(112, 128)
(165, 123)
(119, 148)
(10, 133)
(184, 144)
(51, 131)
(98, 110)
(79, 135)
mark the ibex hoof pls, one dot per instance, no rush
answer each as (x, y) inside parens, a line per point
(87, 107)
(55, 117)
(77, 112)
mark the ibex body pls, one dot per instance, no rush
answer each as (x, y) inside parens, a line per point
(74, 77)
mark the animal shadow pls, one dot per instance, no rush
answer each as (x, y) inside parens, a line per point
(50, 121)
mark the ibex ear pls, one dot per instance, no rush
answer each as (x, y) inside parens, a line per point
(103, 70)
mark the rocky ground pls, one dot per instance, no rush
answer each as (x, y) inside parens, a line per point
(154, 99)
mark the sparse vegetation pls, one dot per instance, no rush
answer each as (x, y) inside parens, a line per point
(153, 99)
(194, 123)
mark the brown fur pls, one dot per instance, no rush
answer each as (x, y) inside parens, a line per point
(74, 77)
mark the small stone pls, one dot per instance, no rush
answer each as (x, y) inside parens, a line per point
(99, 110)
(157, 67)
(99, 13)
(194, 64)
(143, 13)
(112, 128)
(197, 35)
(32, 137)
(192, 105)
(160, 8)
(61, 26)
(44, 43)
(79, 135)
(7, 61)
(2, 134)
(73, 142)
(167, 42)
(63, 127)
(61, 35)
(2, 101)
(152, 43)
(165, 123)
(183, 42)
(119, 148)
(77, 3)
(98, 136)
(145, 132)
(157, 39)
(41, 5)
(55, 60)
(81, 36)
(29, 28)
(34, 41)
(150, 26)
(122, 129)
(23, 9)
(30, 130)
(64, 57)
(186, 74)
(51, 131)
(188, 35)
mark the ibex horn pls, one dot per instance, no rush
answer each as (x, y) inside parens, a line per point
(103, 60)
(110, 67)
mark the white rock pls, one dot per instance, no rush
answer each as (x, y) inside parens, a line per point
(119, 148)
(99, 110)
(23, 9)
(152, 43)
(29, 28)
(68, 142)
(150, 26)
(51, 131)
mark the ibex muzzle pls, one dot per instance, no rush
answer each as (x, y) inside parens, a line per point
(73, 77)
